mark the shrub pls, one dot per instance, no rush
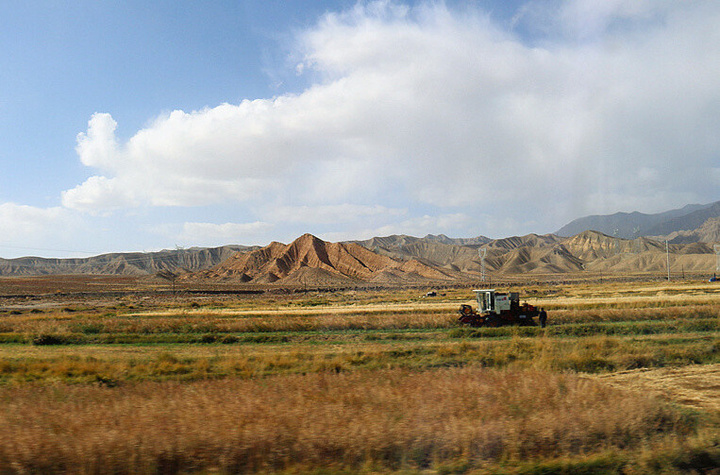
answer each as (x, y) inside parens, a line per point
(41, 340)
(208, 338)
(229, 339)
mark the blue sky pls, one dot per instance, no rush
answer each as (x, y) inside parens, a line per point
(148, 125)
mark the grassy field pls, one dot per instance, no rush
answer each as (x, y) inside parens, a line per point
(359, 381)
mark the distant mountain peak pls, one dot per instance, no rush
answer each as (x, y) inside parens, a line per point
(636, 224)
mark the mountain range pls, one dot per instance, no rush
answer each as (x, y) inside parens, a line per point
(402, 259)
(589, 251)
(123, 263)
(635, 224)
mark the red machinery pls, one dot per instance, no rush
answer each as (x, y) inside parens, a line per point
(496, 309)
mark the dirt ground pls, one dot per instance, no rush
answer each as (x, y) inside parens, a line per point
(696, 386)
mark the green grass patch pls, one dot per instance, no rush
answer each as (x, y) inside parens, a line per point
(701, 325)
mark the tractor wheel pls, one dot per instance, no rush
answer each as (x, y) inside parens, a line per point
(466, 310)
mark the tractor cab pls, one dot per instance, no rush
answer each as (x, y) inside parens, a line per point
(492, 302)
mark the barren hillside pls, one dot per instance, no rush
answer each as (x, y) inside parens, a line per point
(400, 259)
(312, 260)
(549, 254)
(126, 263)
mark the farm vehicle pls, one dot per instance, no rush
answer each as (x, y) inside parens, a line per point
(496, 309)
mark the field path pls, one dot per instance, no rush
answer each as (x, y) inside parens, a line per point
(696, 386)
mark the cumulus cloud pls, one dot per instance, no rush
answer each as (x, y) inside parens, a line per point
(99, 194)
(428, 106)
(98, 147)
(329, 214)
(32, 230)
(586, 19)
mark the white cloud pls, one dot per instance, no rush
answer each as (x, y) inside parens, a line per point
(31, 230)
(588, 18)
(22, 221)
(99, 193)
(210, 234)
(429, 106)
(330, 214)
(98, 147)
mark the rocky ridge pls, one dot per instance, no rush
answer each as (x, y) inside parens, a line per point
(310, 260)
(401, 259)
(125, 263)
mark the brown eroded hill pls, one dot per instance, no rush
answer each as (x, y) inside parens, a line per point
(529, 240)
(452, 257)
(595, 252)
(310, 260)
(601, 253)
(539, 254)
(550, 254)
(125, 263)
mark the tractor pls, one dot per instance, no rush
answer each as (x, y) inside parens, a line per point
(496, 309)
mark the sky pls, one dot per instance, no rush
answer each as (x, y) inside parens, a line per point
(139, 126)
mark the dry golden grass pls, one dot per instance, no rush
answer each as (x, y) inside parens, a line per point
(696, 386)
(125, 363)
(383, 420)
(208, 323)
(349, 380)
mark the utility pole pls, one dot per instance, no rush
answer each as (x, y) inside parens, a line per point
(482, 252)
(169, 276)
(636, 240)
(617, 241)
(667, 255)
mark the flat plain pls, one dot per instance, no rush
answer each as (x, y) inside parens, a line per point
(123, 375)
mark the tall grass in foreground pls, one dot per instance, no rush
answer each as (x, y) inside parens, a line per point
(382, 420)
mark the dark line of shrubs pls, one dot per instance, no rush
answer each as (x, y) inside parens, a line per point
(85, 339)
(594, 329)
